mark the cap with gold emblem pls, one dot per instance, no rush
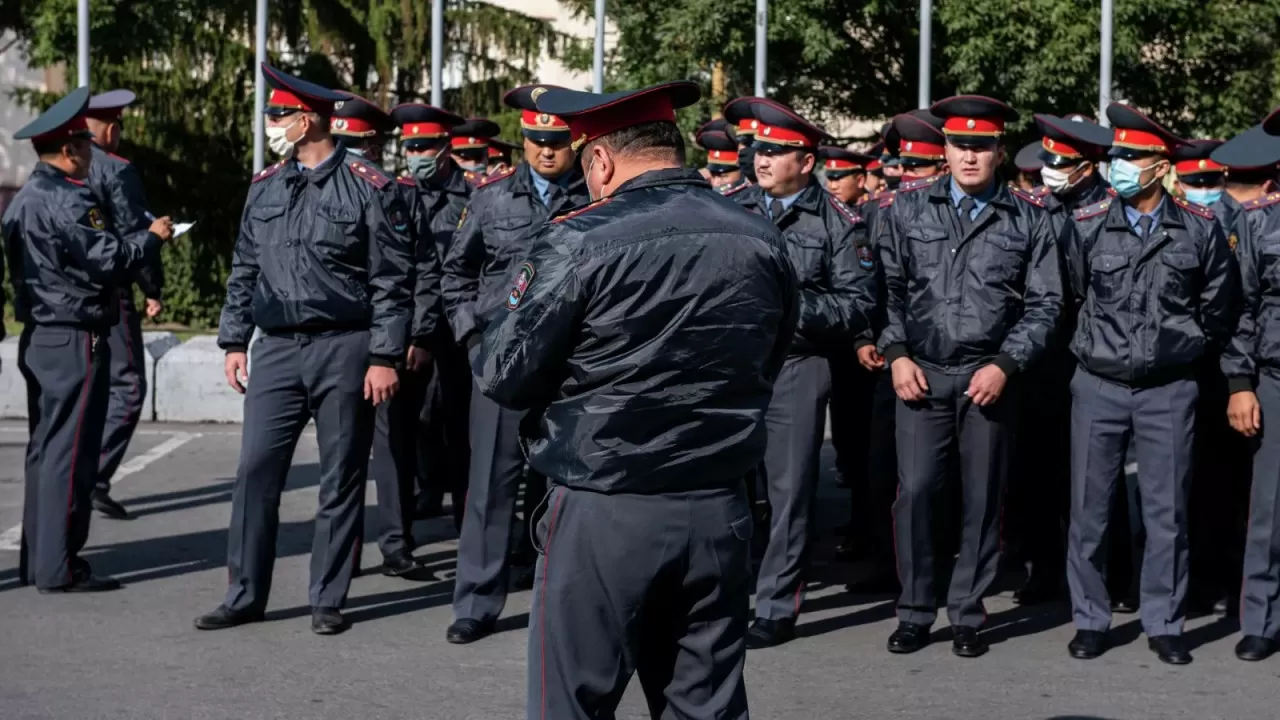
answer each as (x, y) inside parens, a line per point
(973, 119)
(538, 126)
(1136, 135)
(737, 113)
(473, 134)
(423, 126)
(591, 116)
(291, 94)
(1067, 141)
(1194, 164)
(838, 162)
(358, 117)
(722, 150)
(919, 138)
(780, 127)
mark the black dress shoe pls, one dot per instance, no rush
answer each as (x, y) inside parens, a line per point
(103, 503)
(399, 564)
(1125, 606)
(908, 638)
(1253, 648)
(770, 633)
(1087, 644)
(467, 631)
(1038, 590)
(84, 581)
(967, 642)
(1171, 649)
(327, 621)
(223, 617)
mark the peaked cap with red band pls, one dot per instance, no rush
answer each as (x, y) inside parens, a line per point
(355, 116)
(110, 105)
(973, 118)
(1070, 140)
(592, 116)
(1136, 135)
(722, 150)
(839, 162)
(1195, 158)
(62, 121)
(423, 125)
(538, 126)
(291, 94)
(737, 112)
(1253, 149)
(919, 137)
(500, 149)
(473, 134)
(781, 126)
(876, 152)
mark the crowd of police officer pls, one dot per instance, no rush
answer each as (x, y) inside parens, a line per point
(662, 354)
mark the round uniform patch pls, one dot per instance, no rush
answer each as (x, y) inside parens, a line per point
(95, 219)
(864, 257)
(398, 220)
(523, 277)
(1232, 240)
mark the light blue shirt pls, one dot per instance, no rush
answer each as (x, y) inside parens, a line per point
(1134, 216)
(979, 201)
(786, 202)
(543, 185)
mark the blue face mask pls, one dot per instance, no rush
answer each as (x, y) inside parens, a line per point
(1126, 177)
(1203, 196)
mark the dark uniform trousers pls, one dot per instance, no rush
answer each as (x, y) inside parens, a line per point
(1218, 503)
(128, 390)
(1161, 420)
(654, 585)
(929, 433)
(497, 467)
(882, 469)
(1260, 596)
(296, 377)
(795, 422)
(67, 387)
(1039, 497)
(395, 463)
(447, 408)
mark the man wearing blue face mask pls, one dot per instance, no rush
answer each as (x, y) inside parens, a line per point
(1157, 289)
(1200, 179)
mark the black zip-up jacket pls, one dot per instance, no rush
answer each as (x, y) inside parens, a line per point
(119, 187)
(321, 250)
(1255, 341)
(645, 332)
(835, 264)
(442, 208)
(504, 213)
(66, 262)
(1227, 210)
(960, 301)
(1149, 311)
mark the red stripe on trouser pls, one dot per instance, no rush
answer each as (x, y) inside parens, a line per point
(75, 444)
(542, 610)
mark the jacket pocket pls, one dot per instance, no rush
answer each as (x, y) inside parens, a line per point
(925, 246)
(1180, 271)
(337, 233)
(1005, 256)
(1107, 276)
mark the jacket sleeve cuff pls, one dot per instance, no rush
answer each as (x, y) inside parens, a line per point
(893, 353)
(1239, 383)
(382, 361)
(1005, 362)
(235, 348)
(862, 342)
(422, 342)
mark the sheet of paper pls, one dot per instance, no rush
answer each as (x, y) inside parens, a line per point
(181, 228)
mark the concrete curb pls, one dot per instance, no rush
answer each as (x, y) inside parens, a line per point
(190, 385)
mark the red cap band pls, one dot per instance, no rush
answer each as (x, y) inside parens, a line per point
(748, 126)
(351, 126)
(1057, 147)
(494, 152)
(784, 136)
(924, 150)
(468, 143)
(1140, 140)
(722, 157)
(973, 126)
(599, 122)
(873, 166)
(542, 122)
(423, 130)
(285, 99)
(1191, 167)
(841, 164)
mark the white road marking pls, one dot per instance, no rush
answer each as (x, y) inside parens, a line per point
(11, 539)
(1131, 468)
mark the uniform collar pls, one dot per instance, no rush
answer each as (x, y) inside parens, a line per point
(320, 173)
(940, 192)
(661, 178)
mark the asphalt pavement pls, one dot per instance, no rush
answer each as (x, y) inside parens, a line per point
(134, 654)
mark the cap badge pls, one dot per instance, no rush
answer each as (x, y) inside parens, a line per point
(717, 154)
(908, 146)
(1123, 133)
(413, 130)
(1203, 164)
(1050, 141)
(338, 105)
(544, 118)
(767, 129)
(340, 124)
(755, 124)
(537, 93)
(971, 123)
(577, 144)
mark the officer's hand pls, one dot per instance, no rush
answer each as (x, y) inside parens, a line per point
(380, 383)
(908, 380)
(1244, 414)
(417, 359)
(154, 308)
(236, 367)
(986, 385)
(869, 358)
(162, 227)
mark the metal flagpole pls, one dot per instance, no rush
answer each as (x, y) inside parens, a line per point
(1104, 73)
(597, 77)
(926, 51)
(437, 53)
(762, 44)
(259, 88)
(82, 42)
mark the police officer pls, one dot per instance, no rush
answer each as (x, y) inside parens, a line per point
(443, 191)
(66, 264)
(501, 155)
(875, 174)
(646, 424)
(469, 147)
(974, 296)
(1200, 179)
(363, 128)
(117, 184)
(1251, 363)
(323, 266)
(1028, 164)
(828, 245)
(846, 173)
(737, 117)
(722, 155)
(1157, 286)
(504, 214)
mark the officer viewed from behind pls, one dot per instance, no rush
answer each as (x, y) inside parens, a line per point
(1157, 286)
(322, 265)
(647, 328)
(974, 296)
(1028, 164)
(504, 214)
(66, 264)
(828, 246)
(117, 184)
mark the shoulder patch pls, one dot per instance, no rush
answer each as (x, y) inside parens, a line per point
(575, 213)
(1265, 201)
(373, 174)
(1093, 210)
(1193, 208)
(123, 160)
(406, 180)
(845, 210)
(1026, 197)
(268, 171)
(485, 182)
(524, 275)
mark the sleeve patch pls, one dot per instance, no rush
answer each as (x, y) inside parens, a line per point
(95, 219)
(865, 258)
(524, 276)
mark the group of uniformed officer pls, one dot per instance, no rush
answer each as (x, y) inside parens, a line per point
(662, 350)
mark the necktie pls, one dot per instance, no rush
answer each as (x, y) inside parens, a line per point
(1144, 227)
(775, 210)
(966, 214)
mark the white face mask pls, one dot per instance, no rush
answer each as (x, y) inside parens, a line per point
(276, 138)
(1059, 181)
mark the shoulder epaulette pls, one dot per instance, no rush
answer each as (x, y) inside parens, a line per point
(73, 181)
(1193, 208)
(1026, 197)
(123, 160)
(1093, 210)
(268, 171)
(575, 213)
(886, 199)
(496, 177)
(918, 184)
(1040, 191)
(406, 180)
(1112, 192)
(1265, 201)
(844, 210)
(372, 173)
(734, 191)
